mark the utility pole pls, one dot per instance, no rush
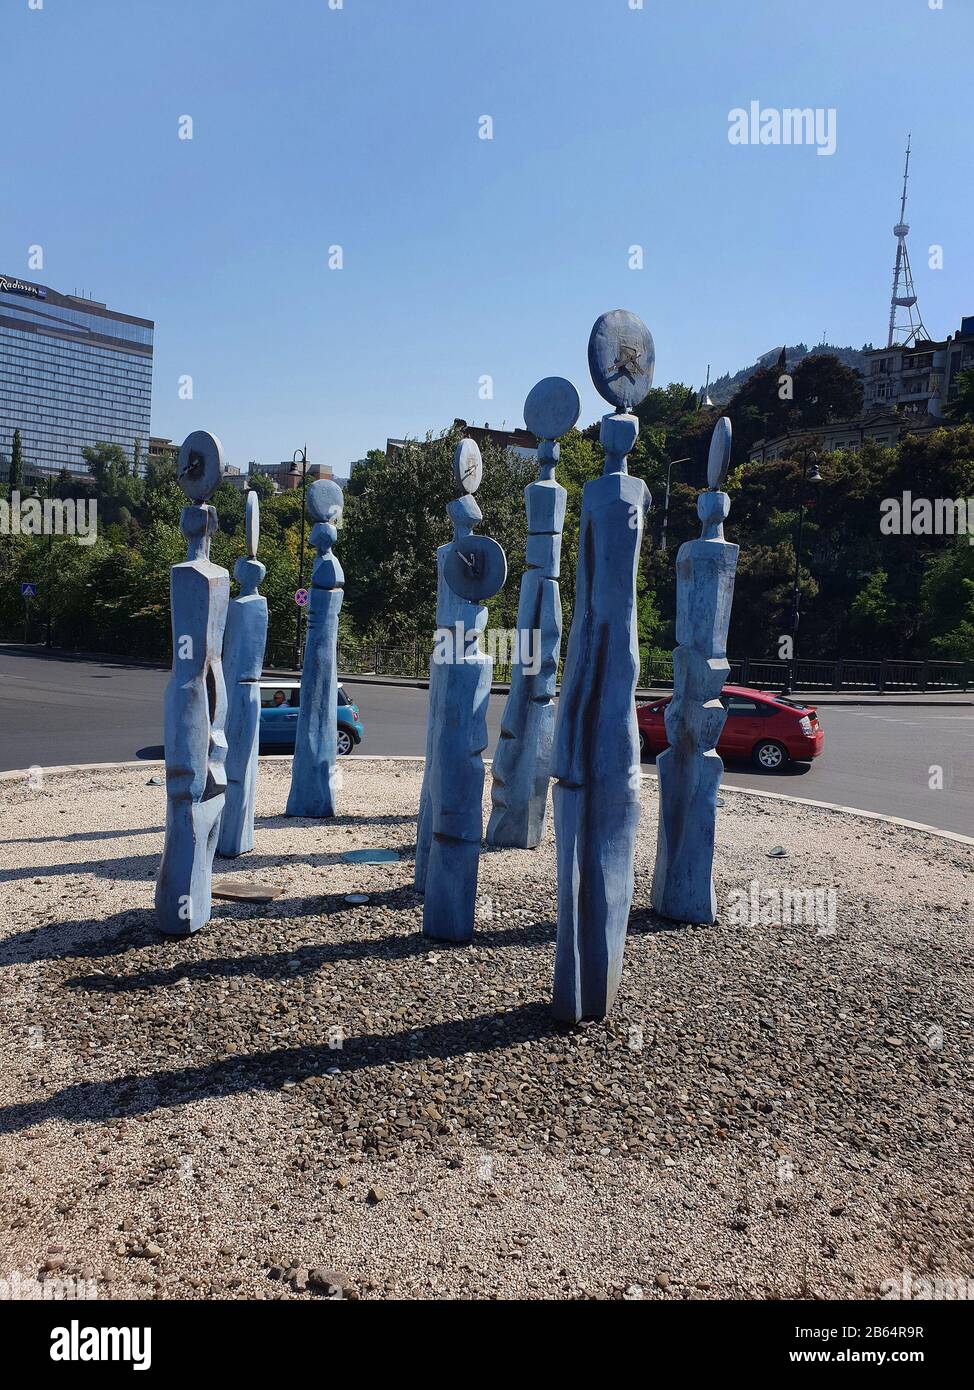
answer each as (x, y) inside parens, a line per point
(666, 496)
(813, 476)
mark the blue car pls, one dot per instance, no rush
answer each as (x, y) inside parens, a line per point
(279, 701)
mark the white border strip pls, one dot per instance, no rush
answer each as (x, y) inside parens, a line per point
(21, 774)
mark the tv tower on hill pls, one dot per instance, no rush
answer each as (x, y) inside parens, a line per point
(904, 316)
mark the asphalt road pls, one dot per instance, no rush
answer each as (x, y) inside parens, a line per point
(55, 710)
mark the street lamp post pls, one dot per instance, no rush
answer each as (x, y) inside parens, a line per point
(810, 474)
(666, 501)
(303, 454)
(36, 494)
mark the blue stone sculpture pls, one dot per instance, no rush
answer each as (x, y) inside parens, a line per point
(690, 768)
(596, 750)
(243, 661)
(522, 763)
(470, 570)
(314, 778)
(195, 702)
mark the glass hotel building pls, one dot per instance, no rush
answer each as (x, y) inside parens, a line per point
(72, 373)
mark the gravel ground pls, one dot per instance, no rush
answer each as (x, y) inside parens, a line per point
(306, 1097)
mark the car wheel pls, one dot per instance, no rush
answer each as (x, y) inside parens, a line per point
(642, 744)
(345, 743)
(770, 756)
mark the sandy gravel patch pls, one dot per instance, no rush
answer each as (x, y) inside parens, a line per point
(772, 1111)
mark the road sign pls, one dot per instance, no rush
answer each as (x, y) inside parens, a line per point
(28, 590)
(301, 597)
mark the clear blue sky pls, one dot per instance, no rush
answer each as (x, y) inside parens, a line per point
(465, 257)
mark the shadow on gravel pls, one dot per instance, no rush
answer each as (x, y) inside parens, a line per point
(265, 1071)
(280, 822)
(106, 936)
(145, 866)
(644, 921)
(80, 835)
(303, 960)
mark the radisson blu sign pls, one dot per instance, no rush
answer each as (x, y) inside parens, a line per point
(21, 287)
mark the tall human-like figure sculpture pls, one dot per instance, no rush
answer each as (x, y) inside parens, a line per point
(522, 763)
(313, 775)
(195, 703)
(243, 661)
(471, 569)
(596, 751)
(690, 768)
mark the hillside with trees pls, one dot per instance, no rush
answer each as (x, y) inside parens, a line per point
(863, 593)
(724, 388)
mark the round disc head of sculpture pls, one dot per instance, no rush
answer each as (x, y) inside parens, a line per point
(252, 524)
(718, 461)
(200, 465)
(552, 407)
(621, 359)
(325, 501)
(475, 568)
(468, 466)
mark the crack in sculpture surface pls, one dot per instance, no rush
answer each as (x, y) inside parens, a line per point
(521, 768)
(690, 769)
(243, 662)
(596, 748)
(314, 778)
(195, 702)
(470, 569)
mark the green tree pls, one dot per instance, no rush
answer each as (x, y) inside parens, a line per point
(825, 390)
(948, 601)
(872, 613)
(16, 474)
(961, 408)
(262, 485)
(106, 464)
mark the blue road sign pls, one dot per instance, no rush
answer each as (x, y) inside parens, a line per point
(28, 590)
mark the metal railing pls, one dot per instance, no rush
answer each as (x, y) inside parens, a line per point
(410, 660)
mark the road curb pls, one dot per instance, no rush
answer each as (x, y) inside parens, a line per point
(19, 775)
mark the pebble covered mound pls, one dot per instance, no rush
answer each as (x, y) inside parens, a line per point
(306, 1099)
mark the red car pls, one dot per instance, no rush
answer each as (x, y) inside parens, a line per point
(768, 729)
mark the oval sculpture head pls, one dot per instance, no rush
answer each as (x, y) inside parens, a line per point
(252, 524)
(200, 465)
(621, 359)
(718, 462)
(468, 466)
(551, 408)
(325, 501)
